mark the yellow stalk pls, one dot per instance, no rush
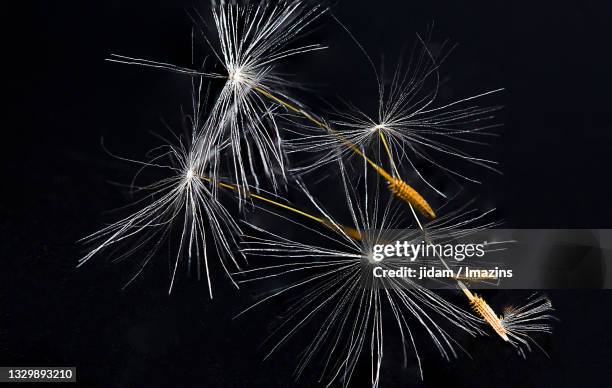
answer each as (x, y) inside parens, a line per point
(351, 232)
(400, 188)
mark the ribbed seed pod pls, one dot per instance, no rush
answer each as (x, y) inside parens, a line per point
(403, 190)
(482, 308)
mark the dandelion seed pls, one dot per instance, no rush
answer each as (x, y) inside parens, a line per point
(179, 201)
(516, 324)
(252, 39)
(508, 326)
(409, 119)
(520, 323)
(338, 286)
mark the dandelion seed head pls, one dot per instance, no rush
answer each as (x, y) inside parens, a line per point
(370, 259)
(182, 204)
(236, 76)
(379, 127)
(189, 174)
(419, 125)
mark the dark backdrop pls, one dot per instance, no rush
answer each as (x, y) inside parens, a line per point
(552, 56)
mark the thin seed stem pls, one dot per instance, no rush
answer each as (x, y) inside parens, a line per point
(381, 171)
(351, 232)
(382, 136)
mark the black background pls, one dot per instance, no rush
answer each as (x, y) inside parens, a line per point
(553, 59)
